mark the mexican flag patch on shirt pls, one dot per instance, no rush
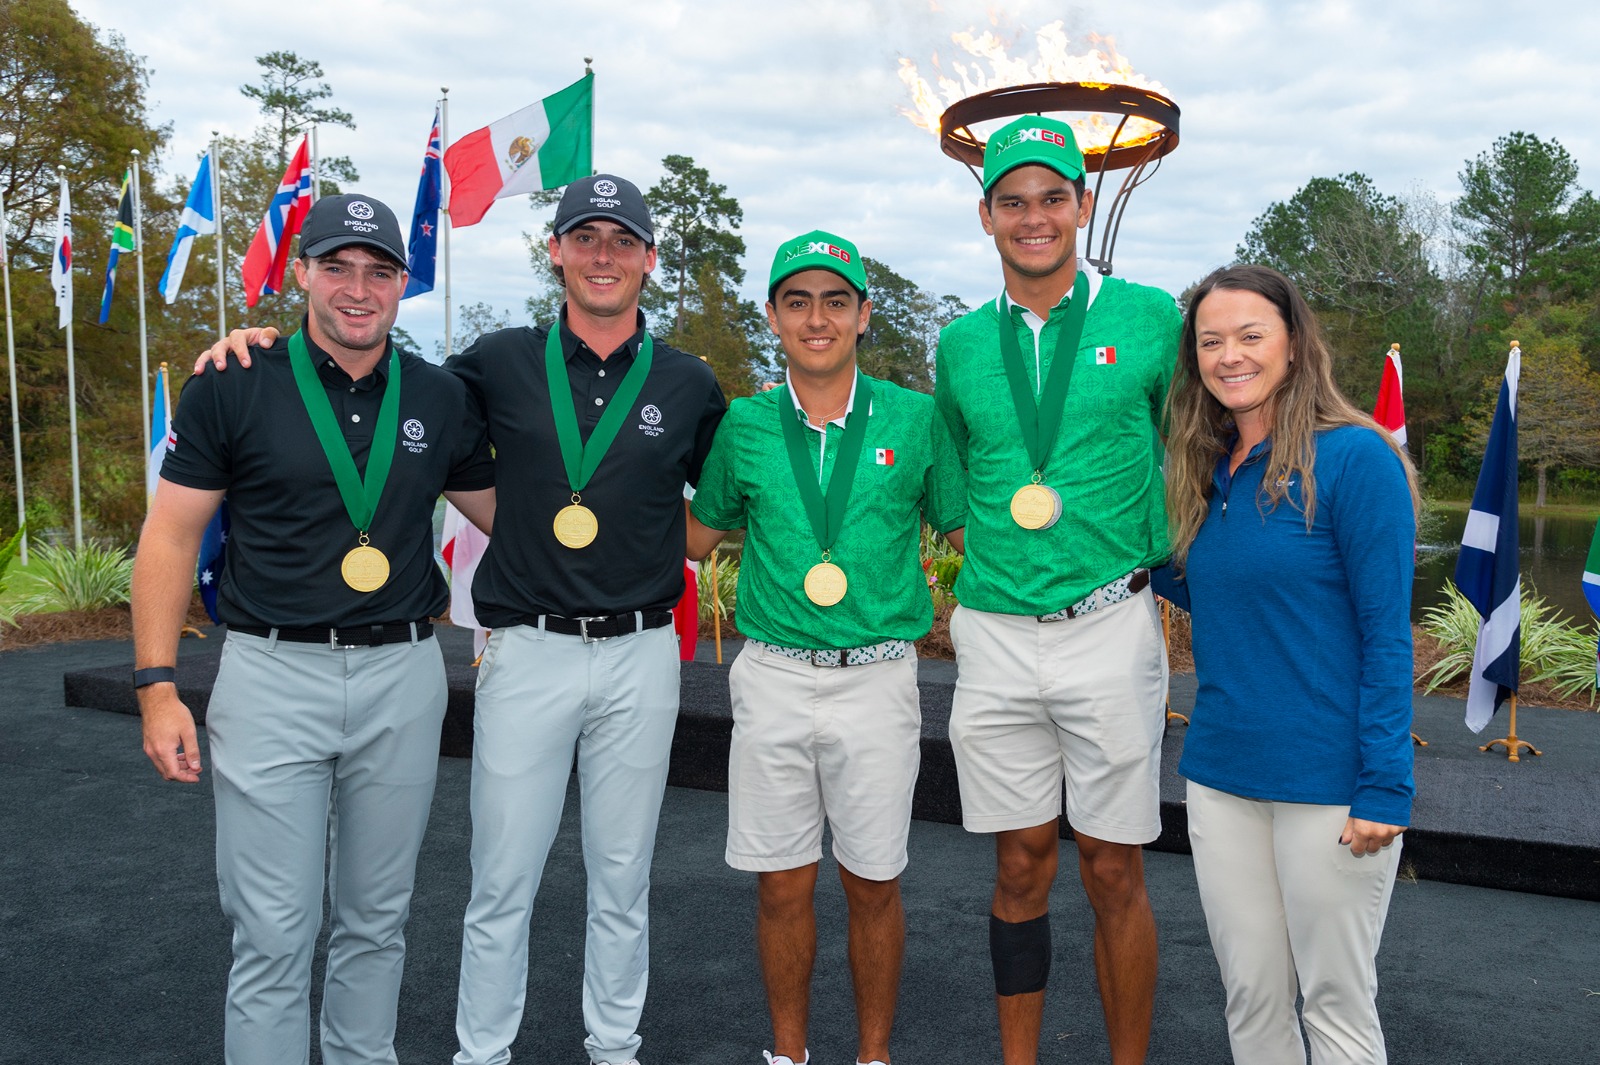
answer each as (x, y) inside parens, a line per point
(885, 456)
(1105, 356)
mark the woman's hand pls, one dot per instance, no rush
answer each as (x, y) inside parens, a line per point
(1368, 837)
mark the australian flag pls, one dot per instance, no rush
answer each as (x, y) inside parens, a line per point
(423, 246)
(213, 554)
(1488, 571)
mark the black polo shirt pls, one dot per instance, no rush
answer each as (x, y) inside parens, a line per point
(248, 433)
(636, 559)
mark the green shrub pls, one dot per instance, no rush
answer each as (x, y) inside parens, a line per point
(1555, 650)
(942, 563)
(8, 552)
(78, 578)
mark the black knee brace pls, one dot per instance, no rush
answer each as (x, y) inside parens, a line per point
(1021, 954)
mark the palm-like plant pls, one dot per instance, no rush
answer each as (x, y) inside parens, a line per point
(87, 577)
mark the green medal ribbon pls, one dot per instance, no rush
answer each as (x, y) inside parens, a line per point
(1042, 419)
(360, 496)
(826, 512)
(583, 459)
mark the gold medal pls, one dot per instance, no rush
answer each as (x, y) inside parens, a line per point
(576, 525)
(826, 584)
(365, 568)
(1036, 506)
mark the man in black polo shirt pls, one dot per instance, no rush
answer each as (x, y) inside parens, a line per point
(331, 691)
(596, 427)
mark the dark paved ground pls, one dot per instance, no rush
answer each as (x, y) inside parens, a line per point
(112, 947)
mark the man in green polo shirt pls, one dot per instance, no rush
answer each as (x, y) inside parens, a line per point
(829, 476)
(1050, 399)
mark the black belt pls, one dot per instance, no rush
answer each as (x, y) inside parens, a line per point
(346, 636)
(599, 628)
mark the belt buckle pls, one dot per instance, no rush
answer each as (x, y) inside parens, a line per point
(583, 629)
(821, 664)
(334, 644)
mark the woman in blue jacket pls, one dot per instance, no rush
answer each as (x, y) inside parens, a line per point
(1294, 517)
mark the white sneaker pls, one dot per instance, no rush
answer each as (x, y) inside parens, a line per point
(784, 1059)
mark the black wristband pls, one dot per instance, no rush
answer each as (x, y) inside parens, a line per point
(143, 678)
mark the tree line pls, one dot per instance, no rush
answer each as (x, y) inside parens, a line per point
(1516, 256)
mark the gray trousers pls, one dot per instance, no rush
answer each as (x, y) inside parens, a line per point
(540, 695)
(321, 760)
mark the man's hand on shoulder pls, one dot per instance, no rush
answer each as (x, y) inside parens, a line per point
(238, 343)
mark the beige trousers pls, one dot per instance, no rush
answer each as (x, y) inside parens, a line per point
(1290, 909)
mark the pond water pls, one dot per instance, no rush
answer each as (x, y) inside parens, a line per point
(1553, 554)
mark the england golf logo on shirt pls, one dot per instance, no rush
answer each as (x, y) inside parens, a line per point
(651, 423)
(1105, 356)
(885, 456)
(414, 432)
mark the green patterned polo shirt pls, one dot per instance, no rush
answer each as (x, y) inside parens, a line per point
(1105, 463)
(748, 483)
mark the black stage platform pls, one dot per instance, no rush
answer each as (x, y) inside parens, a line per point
(1478, 819)
(113, 948)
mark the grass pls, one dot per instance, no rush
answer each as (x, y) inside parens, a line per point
(1587, 511)
(1557, 652)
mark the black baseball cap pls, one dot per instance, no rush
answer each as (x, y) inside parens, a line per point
(350, 218)
(608, 197)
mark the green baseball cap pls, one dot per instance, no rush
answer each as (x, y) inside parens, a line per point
(819, 250)
(1032, 139)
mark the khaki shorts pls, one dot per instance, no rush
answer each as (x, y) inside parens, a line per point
(1081, 700)
(813, 742)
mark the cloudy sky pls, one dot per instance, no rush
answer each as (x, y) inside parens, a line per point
(795, 108)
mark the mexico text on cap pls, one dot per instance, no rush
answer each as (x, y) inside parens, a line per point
(1032, 139)
(818, 250)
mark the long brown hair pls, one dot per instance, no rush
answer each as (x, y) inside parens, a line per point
(1201, 429)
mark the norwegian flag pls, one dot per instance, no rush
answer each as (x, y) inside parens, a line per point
(1105, 356)
(264, 263)
(1390, 410)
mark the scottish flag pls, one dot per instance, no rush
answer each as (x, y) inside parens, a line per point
(1488, 571)
(424, 243)
(199, 218)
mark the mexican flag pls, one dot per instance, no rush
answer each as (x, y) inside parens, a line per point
(544, 146)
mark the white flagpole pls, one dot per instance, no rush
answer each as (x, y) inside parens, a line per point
(144, 340)
(222, 250)
(72, 408)
(11, 365)
(444, 207)
(316, 165)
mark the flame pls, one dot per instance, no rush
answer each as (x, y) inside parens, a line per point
(1101, 65)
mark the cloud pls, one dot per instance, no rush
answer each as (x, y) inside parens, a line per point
(795, 109)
